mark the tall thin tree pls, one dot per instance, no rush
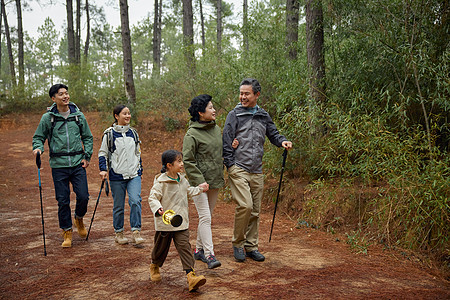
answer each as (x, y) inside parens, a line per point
(127, 57)
(78, 32)
(12, 69)
(292, 18)
(88, 32)
(20, 46)
(245, 26)
(315, 49)
(202, 25)
(219, 26)
(157, 40)
(1, 18)
(70, 32)
(188, 35)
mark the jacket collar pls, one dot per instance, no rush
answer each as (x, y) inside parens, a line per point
(73, 108)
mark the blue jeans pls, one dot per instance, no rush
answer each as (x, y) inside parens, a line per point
(61, 179)
(118, 189)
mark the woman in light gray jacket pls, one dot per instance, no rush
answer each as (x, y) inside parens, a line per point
(120, 153)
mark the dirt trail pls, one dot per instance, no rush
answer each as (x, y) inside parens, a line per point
(300, 263)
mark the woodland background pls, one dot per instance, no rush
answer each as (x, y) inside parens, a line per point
(361, 87)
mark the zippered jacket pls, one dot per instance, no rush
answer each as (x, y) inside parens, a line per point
(71, 139)
(125, 160)
(202, 154)
(171, 194)
(250, 130)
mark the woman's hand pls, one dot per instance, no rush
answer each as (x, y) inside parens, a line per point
(103, 174)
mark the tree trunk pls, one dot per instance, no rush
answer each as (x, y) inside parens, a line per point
(12, 69)
(292, 18)
(70, 33)
(156, 42)
(20, 44)
(88, 33)
(202, 22)
(127, 56)
(188, 35)
(78, 33)
(1, 18)
(219, 26)
(245, 26)
(315, 50)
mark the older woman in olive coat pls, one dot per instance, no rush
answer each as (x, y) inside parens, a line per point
(202, 158)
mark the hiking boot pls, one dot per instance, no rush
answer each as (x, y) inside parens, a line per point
(120, 238)
(80, 227)
(67, 235)
(239, 254)
(200, 255)
(212, 262)
(136, 237)
(255, 255)
(154, 273)
(195, 281)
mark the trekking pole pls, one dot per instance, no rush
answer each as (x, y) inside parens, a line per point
(38, 164)
(279, 187)
(96, 204)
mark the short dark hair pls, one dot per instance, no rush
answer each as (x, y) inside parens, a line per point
(256, 87)
(198, 104)
(117, 110)
(168, 157)
(55, 88)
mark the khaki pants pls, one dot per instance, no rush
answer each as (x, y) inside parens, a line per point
(247, 192)
(162, 245)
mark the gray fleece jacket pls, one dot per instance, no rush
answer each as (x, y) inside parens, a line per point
(250, 130)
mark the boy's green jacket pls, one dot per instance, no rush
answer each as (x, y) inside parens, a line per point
(71, 140)
(202, 154)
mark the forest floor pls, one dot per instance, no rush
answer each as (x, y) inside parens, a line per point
(301, 263)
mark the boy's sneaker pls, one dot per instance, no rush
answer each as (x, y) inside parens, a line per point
(255, 255)
(213, 262)
(239, 254)
(136, 237)
(200, 255)
(120, 238)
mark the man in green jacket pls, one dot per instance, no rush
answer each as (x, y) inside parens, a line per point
(70, 149)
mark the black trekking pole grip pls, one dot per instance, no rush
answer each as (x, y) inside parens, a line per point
(38, 160)
(278, 193)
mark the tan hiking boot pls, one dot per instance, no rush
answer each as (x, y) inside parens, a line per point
(67, 235)
(195, 281)
(120, 238)
(154, 273)
(136, 237)
(80, 227)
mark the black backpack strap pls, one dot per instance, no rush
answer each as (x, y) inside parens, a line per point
(53, 121)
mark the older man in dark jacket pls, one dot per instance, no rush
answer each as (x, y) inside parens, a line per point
(249, 124)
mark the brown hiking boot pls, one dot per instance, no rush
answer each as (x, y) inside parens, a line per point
(67, 235)
(195, 281)
(80, 227)
(154, 273)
